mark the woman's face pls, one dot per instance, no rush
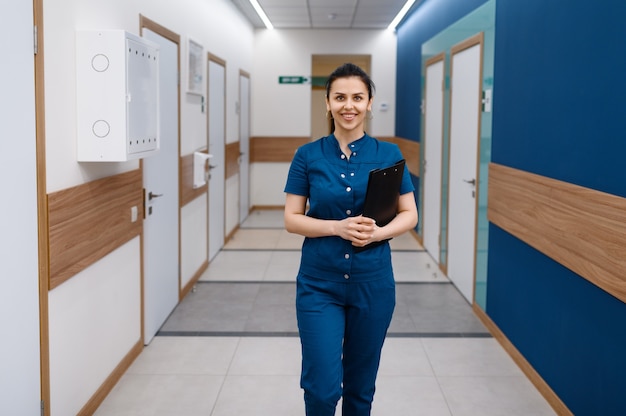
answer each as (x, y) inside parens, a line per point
(348, 101)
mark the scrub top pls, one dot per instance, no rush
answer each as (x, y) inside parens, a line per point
(335, 187)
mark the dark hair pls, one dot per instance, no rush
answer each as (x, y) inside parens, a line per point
(350, 70)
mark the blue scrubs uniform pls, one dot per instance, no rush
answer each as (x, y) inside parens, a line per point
(345, 298)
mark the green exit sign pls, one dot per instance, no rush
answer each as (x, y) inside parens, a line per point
(285, 79)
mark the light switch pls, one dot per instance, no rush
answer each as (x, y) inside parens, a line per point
(133, 214)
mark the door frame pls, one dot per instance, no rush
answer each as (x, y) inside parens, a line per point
(216, 160)
(244, 151)
(146, 23)
(441, 57)
(468, 43)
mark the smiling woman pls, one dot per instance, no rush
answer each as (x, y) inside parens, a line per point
(348, 105)
(345, 303)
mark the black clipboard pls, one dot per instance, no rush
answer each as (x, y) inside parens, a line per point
(381, 197)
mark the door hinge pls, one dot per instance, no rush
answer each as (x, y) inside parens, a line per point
(43, 408)
(35, 40)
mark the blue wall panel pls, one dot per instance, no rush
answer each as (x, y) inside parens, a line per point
(559, 111)
(569, 330)
(424, 22)
(559, 107)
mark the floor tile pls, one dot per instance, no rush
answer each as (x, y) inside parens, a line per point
(265, 218)
(230, 348)
(404, 357)
(186, 355)
(289, 241)
(493, 396)
(409, 396)
(469, 357)
(238, 265)
(283, 266)
(257, 308)
(267, 356)
(251, 395)
(254, 239)
(162, 395)
(411, 266)
(406, 241)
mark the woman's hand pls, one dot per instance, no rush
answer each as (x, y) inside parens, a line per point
(359, 230)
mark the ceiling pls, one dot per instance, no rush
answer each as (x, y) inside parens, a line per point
(324, 14)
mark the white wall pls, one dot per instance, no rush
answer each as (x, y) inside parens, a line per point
(19, 282)
(285, 110)
(275, 110)
(76, 317)
(216, 24)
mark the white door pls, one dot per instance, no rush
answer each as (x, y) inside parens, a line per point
(244, 147)
(433, 137)
(160, 179)
(20, 388)
(217, 143)
(464, 139)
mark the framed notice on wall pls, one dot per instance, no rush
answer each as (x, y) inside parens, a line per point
(194, 67)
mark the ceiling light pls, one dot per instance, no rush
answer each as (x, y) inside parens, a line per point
(400, 15)
(261, 13)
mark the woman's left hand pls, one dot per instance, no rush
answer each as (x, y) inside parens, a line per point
(363, 230)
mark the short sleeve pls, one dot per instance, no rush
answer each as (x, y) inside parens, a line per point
(297, 179)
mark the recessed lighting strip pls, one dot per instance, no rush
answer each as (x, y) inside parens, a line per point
(403, 11)
(261, 13)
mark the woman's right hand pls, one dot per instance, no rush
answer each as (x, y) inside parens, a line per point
(358, 230)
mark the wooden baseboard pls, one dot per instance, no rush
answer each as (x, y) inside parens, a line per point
(185, 290)
(98, 397)
(230, 235)
(544, 389)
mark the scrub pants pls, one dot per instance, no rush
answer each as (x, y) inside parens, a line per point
(342, 330)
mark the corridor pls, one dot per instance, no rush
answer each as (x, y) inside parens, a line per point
(230, 348)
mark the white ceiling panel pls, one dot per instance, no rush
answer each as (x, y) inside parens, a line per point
(324, 14)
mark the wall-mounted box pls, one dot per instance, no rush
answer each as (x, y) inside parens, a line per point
(200, 169)
(117, 93)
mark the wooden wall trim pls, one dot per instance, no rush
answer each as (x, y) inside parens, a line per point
(544, 389)
(187, 191)
(275, 149)
(580, 228)
(89, 221)
(410, 150)
(98, 397)
(232, 159)
(282, 149)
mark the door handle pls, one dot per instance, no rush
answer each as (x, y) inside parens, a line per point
(151, 196)
(470, 181)
(212, 166)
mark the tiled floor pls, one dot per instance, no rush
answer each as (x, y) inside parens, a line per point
(231, 347)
